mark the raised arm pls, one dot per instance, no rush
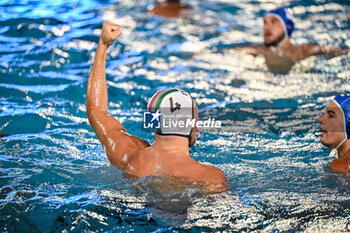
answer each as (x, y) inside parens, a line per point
(111, 133)
(96, 96)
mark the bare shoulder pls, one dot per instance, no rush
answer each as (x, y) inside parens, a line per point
(212, 178)
(308, 46)
(141, 162)
(125, 139)
(168, 9)
(121, 147)
(302, 51)
(212, 174)
(340, 165)
(252, 49)
(311, 49)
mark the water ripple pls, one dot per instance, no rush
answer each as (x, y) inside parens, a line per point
(54, 174)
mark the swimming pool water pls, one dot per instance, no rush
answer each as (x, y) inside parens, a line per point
(54, 174)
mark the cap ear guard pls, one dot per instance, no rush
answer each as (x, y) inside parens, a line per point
(343, 102)
(190, 135)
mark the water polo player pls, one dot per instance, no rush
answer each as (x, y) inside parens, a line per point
(170, 153)
(280, 54)
(335, 126)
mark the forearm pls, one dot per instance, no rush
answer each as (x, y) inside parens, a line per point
(96, 96)
(108, 129)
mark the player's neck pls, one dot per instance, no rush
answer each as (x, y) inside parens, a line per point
(344, 149)
(172, 144)
(286, 45)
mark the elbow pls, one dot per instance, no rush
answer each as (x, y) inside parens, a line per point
(92, 116)
(89, 109)
(93, 111)
(89, 113)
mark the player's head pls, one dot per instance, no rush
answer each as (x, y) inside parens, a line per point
(278, 27)
(178, 113)
(335, 122)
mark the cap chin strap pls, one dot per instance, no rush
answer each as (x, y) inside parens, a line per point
(277, 48)
(283, 41)
(334, 152)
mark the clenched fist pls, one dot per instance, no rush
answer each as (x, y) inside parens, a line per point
(109, 33)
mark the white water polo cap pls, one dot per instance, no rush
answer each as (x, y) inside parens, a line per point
(176, 110)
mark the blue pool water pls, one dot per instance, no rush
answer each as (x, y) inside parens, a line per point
(54, 174)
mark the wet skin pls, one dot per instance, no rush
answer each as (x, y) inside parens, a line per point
(168, 156)
(273, 30)
(273, 50)
(169, 9)
(332, 135)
